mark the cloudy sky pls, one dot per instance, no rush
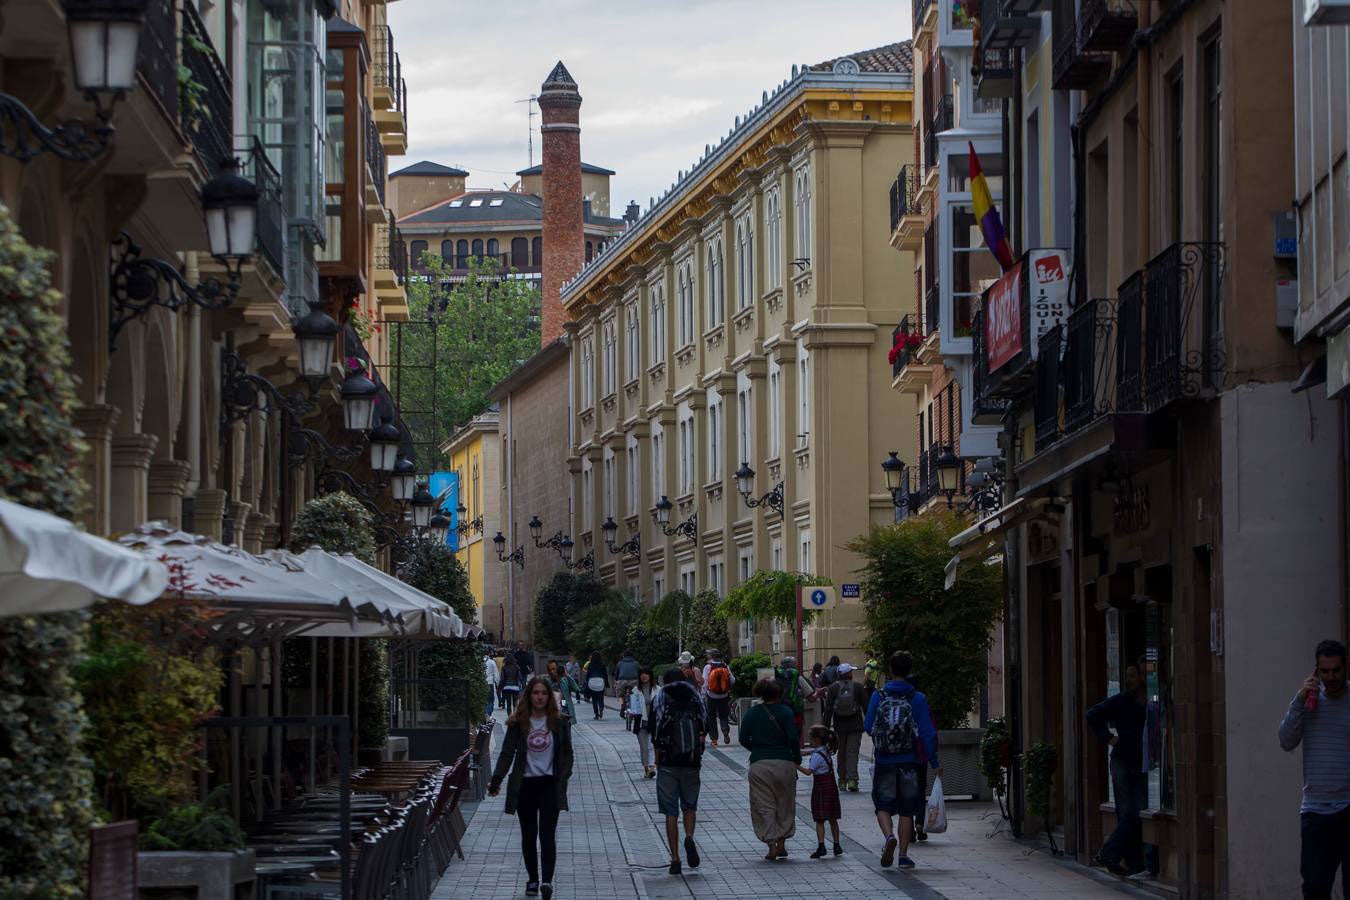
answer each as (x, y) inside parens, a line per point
(658, 80)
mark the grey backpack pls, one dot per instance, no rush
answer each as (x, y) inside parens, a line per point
(893, 727)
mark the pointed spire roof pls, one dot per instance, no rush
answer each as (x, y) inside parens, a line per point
(560, 76)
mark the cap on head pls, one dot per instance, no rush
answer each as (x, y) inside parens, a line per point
(686, 658)
(845, 668)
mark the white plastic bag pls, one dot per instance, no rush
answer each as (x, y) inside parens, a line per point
(935, 821)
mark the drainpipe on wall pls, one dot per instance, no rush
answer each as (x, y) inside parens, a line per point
(1143, 153)
(193, 387)
(510, 510)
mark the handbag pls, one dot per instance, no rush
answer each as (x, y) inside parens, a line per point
(595, 683)
(779, 725)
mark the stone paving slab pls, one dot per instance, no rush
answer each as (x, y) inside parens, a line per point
(611, 844)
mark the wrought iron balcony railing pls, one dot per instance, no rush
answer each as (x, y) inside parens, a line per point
(376, 159)
(271, 228)
(1003, 25)
(1130, 345)
(932, 310)
(1106, 25)
(1183, 352)
(903, 193)
(1046, 399)
(984, 410)
(941, 121)
(388, 69)
(1073, 67)
(1089, 362)
(158, 55)
(902, 342)
(206, 97)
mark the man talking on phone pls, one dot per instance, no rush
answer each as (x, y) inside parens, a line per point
(1319, 718)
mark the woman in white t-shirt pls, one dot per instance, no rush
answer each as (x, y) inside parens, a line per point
(536, 762)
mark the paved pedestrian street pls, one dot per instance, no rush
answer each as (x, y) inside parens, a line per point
(611, 844)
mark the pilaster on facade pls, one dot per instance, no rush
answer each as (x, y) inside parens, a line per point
(97, 423)
(167, 480)
(131, 455)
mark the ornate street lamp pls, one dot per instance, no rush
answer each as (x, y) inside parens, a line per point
(422, 505)
(949, 473)
(438, 527)
(358, 401)
(104, 39)
(745, 486)
(661, 516)
(403, 481)
(536, 529)
(230, 202)
(384, 444)
(661, 512)
(894, 470)
(316, 332)
(516, 556)
(631, 547)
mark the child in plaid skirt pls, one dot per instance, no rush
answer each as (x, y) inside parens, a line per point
(824, 787)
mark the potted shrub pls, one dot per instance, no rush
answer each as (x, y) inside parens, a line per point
(195, 846)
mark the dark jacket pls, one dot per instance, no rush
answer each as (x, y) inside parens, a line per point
(627, 668)
(1128, 716)
(595, 670)
(525, 659)
(512, 759)
(769, 731)
(845, 724)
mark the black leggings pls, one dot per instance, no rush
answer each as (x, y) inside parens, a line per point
(509, 699)
(538, 811)
(598, 703)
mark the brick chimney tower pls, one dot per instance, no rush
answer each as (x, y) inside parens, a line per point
(564, 231)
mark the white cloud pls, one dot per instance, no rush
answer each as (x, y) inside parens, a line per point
(658, 81)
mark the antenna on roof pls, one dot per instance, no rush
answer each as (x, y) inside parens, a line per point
(529, 124)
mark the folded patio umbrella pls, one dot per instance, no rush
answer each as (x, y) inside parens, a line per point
(231, 579)
(422, 614)
(48, 565)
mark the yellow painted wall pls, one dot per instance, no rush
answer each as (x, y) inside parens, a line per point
(464, 460)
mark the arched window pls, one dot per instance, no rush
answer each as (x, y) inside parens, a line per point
(520, 253)
(415, 250)
(493, 249)
(478, 248)
(537, 252)
(448, 253)
(590, 251)
(462, 255)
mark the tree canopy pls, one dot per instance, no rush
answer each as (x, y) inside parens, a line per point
(949, 632)
(769, 594)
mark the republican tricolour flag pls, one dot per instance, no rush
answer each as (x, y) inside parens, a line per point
(995, 238)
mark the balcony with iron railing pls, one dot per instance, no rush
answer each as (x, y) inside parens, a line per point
(271, 227)
(157, 56)
(376, 160)
(1106, 25)
(984, 410)
(1183, 353)
(206, 97)
(1130, 344)
(932, 308)
(1073, 67)
(905, 341)
(941, 120)
(390, 91)
(1089, 363)
(1046, 401)
(1004, 25)
(904, 191)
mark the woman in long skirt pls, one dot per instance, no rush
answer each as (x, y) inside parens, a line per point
(770, 734)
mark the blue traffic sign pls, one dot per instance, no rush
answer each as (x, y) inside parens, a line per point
(819, 597)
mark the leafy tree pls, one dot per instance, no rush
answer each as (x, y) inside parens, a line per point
(604, 626)
(652, 646)
(338, 523)
(744, 669)
(705, 626)
(45, 805)
(906, 608)
(433, 568)
(769, 594)
(485, 326)
(558, 602)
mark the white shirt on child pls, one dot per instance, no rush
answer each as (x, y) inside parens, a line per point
(819, 764)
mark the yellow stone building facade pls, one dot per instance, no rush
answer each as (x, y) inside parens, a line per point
(475, 457)
(745, 319)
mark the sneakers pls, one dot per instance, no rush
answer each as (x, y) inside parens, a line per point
(888, 852)
(904, 862)
(820, 851)
(853, 786)
(531, 889)
(546, 890)
(675, 867)
(838, 850)
(691, 852)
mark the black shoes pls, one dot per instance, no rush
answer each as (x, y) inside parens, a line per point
(546, 890)
(838, 850)
(820, 851)
(675, 867)
(531, 889)
(691, 852)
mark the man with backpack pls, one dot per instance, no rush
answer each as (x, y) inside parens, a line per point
(717, 690)
(796, 690)
(678, 729)
(897, 719)
(844, 707)
(625, 673)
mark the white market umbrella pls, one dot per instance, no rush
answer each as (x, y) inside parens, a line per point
(422, 613)
(49, 565)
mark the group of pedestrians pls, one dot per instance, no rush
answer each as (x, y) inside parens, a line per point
(507, 671)
(674, 722)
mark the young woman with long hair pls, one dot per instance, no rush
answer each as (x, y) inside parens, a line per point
(536, 762)
(597, 682)
(637, 714)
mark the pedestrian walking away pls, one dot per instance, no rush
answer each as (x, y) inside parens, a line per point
(564, 687)
(717, 692)
(844, 709)
(536, 762)
(597, 681)
(897, 719)
(678, 719)
(492, 676)
(637, 713)
(500, 660)
(796, 690)
(573, 669)
(692, 673)
(825, 805)
(871, 677)
(830, 673)
(625, 674)
(511, 677)
(525, 660)
(769, 732)
(1123, 851)
(1319, 718)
